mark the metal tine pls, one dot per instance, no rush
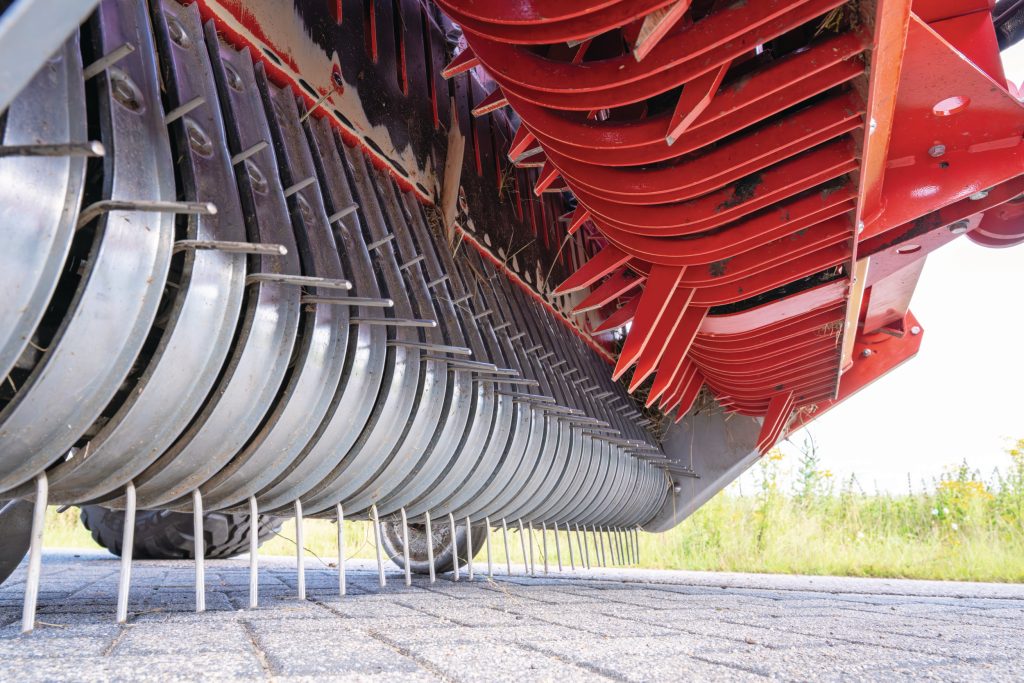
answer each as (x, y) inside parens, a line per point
(533, 566)
(435, 348)
(430, 548)
(636, 534)
(35, 555)
(338, 215)
(246, 153)
(623, 548)
(615, 540)
(393, 322)
(92, 148)
(455, 547)
(490, 567)
(606, 533)
(568, 538)
(342, 587)
(301, 280)
(508, 557)
(103, 206)
(405, 545)
(300, 560)
(379, 243)
(544, 543)
(581, 543)
(106, 61)
(232, 247)
(124, 582)
(469, 548)
(376, 537)
(348, 301)
(558, 549)
(438, 281)
(299, 186)
(412, 262)
(179, 111)
(254, 549)
(599, 539)
(522, 542)
(200, 550)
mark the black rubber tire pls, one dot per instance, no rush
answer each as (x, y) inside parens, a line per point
(15, 534)
(165, 535)
(442, 545)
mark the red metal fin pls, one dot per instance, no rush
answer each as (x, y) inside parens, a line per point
(548, 175)
(665, 330)
(779, 409)
(677, 349)
(611, 289)
(522, 141)
(656, 25)
(661, 285)
(694, 99)
(464, 61)
(604, 262)
(620, 317)
(496, 100)
(579, 217)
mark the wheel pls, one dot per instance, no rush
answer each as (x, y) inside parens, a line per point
(441, 539)
(15, 534)
(164, 535)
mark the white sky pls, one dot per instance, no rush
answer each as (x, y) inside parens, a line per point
(963, 395)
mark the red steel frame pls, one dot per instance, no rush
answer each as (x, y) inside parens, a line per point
(711, 175)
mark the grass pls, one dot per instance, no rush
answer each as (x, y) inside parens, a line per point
(963, 528)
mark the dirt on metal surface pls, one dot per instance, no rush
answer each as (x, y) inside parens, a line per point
(618, 625)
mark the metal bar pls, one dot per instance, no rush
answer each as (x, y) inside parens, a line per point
(533, 566)
(300, 560)
(405, 549)
(93, 148)
(455, 547)
(341, 550)
(179, 111)
(232, 247)
(377, 541)
(338, 215)
(301, 280)
(508, 557)
(522, 542)
(572, 555)
(254, 547)
(299, 186)
(558, 549)
(430, 548)
(393, 322)
(370, 301)
(435, 348)
(35, 553)
(127, 546)
(199, 549)
(246, 153)
(469, 548)
(96, 209)
(106, 61)
(490, 567)
(544, 544)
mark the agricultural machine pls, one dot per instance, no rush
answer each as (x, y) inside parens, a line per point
(461, 266)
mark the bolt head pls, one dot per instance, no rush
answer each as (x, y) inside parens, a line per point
(915, 330)
(978, 196)
(960, 227)
(866, 353)
(936, 151)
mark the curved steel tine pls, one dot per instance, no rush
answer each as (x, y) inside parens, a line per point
(232, 247)
(533, 566)
(430, 547)
(341, 549)
(487, 527)
(544, 543)
(393, 322)
(252, 150)
(299, 186)
(254, 549)
(508, 556)
(599, 538)
(96, 209)
(522, 542)
(106, 61)
(606, 533)
(572, 555)
(377, 244)
(182, 109)
(368, 301)
(405, 548)
(377, 541)
(300, 560)
(455, 547)
(558, 549)
(338, 215)
(636, 534)
(200, 549)
(469, 548)
(301, 280)
(92, 148)
(127, 546)
(35, 555)
(434, 348)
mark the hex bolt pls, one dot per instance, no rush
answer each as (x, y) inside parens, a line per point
(936, 151)
(960, 227)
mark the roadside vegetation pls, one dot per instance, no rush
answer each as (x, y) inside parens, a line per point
(962, 526)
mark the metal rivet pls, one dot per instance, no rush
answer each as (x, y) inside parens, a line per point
(936, 151)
